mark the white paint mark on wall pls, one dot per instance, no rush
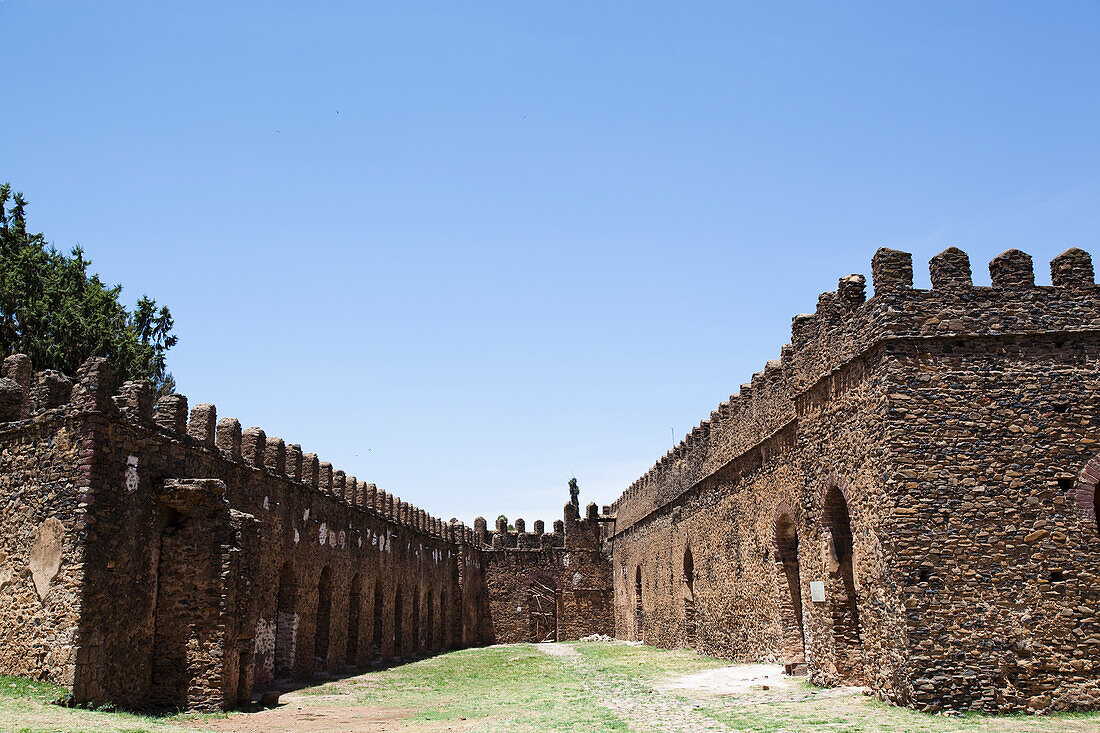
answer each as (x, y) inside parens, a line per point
(322, 534)
(45, 559)
(6, 571)
(343, 537)
(565, 560)
(297, 537)
(131, 474)
(305, 515)
(267, 503)
(576, 579)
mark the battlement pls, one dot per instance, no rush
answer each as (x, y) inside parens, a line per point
(846, 325)
(27, 396)
(565, 532)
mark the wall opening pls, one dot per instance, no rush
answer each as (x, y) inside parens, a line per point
(638, 603)
(841, 594)
(376, 637)
(286, 621)
(415, 636)
(542, 610)
(444, 636)
(355, 603)
(398, 624)
(793, 644)
(324, 618)
(430, 632)
(180, 557)
(689, 599)
(245, 672)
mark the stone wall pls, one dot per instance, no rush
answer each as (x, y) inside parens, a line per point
(548, 587)
(905, 499)
(906, 482)
(199, 562)
(42, 491)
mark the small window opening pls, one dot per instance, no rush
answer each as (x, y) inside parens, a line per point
(1057, 576)
(1065, 485)
(1061, 407)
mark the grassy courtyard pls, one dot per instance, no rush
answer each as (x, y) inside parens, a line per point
(561, 687)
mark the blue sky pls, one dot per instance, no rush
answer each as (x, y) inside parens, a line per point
(466, 251)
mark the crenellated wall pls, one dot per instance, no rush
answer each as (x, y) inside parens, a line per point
(905, 499)
(196, 561)
(547, 587)
(915, 454)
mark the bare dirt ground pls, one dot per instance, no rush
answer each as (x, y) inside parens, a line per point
(747, 684)
(314, 718)
(633, 701)
(295, 715)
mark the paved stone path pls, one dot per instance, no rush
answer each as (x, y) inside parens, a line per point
(643, 707)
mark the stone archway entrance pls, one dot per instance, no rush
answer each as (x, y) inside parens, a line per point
(689, 599)
(841, 590)
(355, 602)
(789, 586)
(323, 620)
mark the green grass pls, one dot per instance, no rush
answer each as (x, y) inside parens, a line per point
(521, 688)
(26, 706)
(514, 688)
(30, 689)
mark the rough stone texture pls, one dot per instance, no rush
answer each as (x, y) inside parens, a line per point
(46, 464)
(905, 499)
(548, 587)
(157, 564)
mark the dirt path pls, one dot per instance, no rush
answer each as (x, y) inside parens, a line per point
(748, 684)
(312, 718)
(644, 707)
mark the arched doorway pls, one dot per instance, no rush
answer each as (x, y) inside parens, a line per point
(841, 593)
(355, 603)
(444, 635)
(789, 582)
(689, 599)
(398, 624)
(376, 637)
(286, 621)
(324, 617)
(414, 637)
(429, 631)
(638, 618)
(542, 610)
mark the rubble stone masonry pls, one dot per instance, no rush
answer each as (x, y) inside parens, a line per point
(159, 559)
(905, 499)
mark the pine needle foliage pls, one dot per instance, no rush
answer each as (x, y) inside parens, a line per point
(55, 312)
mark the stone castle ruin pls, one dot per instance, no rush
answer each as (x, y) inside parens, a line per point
(905, 499)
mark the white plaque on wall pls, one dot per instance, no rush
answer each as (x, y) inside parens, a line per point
(817, 591)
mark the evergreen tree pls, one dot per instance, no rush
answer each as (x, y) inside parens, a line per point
(53, 311)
